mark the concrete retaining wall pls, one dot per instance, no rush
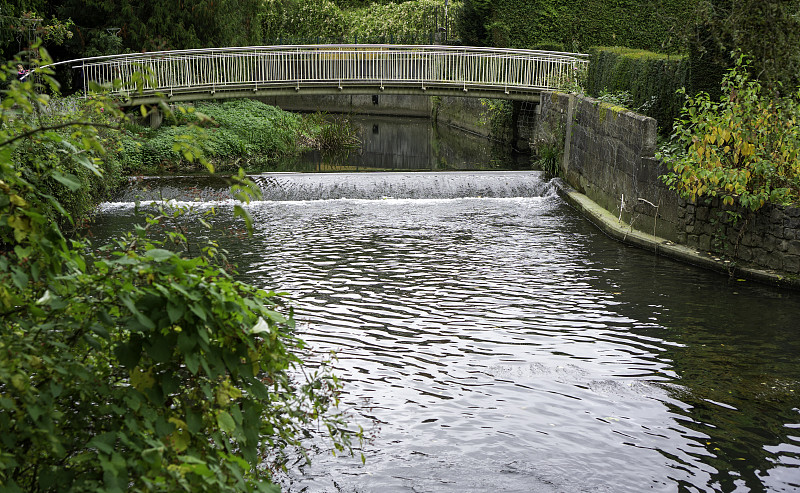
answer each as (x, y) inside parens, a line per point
(464, 113)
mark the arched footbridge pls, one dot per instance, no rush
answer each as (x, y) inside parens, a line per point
(222, 73)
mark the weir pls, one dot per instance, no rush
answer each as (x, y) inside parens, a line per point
(333, 186)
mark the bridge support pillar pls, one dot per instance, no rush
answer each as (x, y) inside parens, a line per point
(568, 134)
(155, 117)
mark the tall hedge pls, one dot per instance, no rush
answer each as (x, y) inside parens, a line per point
(579, 24)
(651, 78)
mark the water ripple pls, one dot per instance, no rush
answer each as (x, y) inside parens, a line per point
(503, 344)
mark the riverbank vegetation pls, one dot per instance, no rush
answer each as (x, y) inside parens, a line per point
(232, 134)
(141, 365)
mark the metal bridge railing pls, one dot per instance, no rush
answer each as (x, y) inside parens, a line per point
(261, 67)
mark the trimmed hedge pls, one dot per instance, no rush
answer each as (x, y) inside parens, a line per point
(652, 79)
(579, 24)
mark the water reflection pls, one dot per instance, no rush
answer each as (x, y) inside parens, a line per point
(410, 144)
(501, 343)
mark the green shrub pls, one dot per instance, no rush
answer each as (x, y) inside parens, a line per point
(499, 115)
(744, 147)
(291, 19)
(77, 179)
(546, 45)
(135, 366)
(398, 20)
(249, 127)
(651, 79)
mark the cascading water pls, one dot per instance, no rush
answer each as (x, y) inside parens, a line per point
(328, 186)
(490, 339)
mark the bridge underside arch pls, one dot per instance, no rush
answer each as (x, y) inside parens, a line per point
(361, 90)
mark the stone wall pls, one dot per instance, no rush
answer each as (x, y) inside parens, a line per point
(608, 155)
(768, 238)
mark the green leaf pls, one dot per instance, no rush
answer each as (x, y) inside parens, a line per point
(175, 311)
(104, 442)
(238, 211)
(153, 455)
(225, 422)
(186, 342)
(192, 360)
(129, 354)
(67, 179)
(159, 255)
(160, 350)
(194, 422)
(200, 312)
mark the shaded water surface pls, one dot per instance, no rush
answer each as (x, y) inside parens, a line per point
(491, 339)
(409, 144)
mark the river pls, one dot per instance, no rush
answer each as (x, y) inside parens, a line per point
(491, 339)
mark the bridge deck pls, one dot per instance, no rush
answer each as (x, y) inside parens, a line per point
(329, 69)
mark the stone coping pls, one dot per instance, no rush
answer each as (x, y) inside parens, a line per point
(621, 231)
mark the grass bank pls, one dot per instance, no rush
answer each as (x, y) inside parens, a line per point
(232, 134)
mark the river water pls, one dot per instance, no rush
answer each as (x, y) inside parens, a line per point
(491, 339)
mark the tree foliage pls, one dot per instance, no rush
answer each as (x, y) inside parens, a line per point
(153, 25)
(23, 22)
(472, 22)
(290, 21)
(744, 147)
(141, 365)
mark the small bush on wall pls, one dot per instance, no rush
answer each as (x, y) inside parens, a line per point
(742, 148)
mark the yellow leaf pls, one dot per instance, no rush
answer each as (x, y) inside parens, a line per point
(142, 380)
(180, 438)
(17, 200)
